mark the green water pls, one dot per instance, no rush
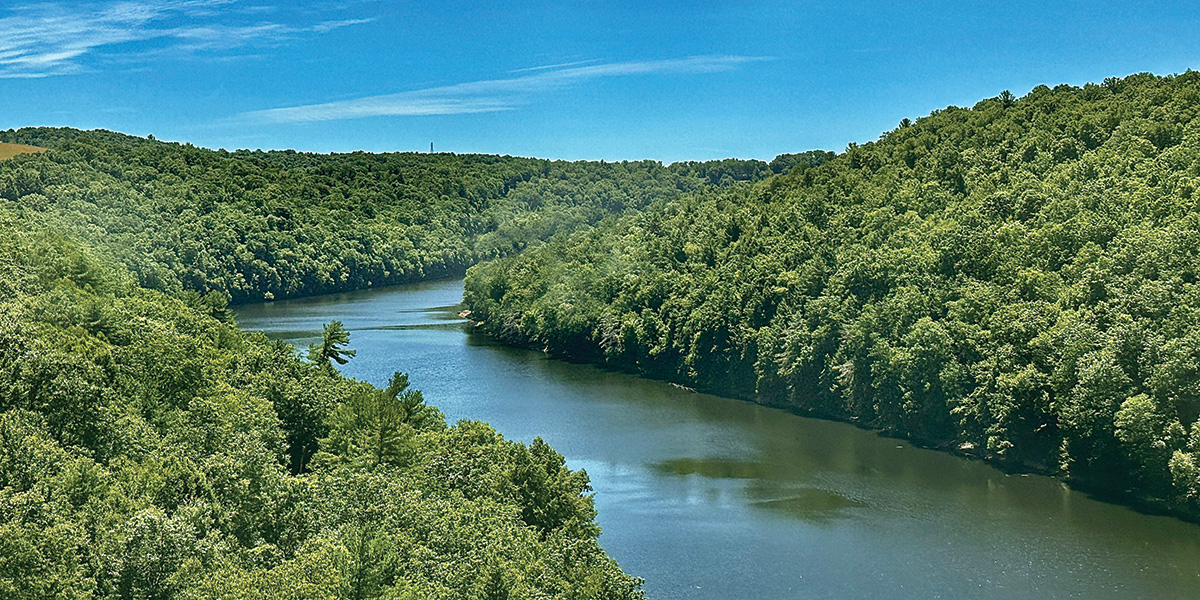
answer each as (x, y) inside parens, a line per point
(707, 497)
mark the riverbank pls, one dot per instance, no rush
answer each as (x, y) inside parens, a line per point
(959, 448)
(786, 505)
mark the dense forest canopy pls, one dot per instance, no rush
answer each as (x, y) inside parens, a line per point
(150, 449)
(255, 225)
(1017, 279)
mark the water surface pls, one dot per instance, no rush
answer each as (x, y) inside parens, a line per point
(708, 497)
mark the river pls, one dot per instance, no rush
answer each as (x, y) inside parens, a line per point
(708, 497)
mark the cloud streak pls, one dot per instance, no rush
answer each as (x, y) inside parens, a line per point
(43, 40)
(491, 95)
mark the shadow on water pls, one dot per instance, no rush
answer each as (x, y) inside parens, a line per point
(454, 309)
(295, 335)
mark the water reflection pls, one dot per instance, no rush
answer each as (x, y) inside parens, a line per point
(767, 486)
(450, 324)
(717, 468)
(708, 497)
(810, 504)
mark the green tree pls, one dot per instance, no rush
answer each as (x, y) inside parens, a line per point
(1015, 279)
(332, 346)
(142, 444)
(376, 427)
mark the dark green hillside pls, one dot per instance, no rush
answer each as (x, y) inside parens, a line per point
(1017, 279)
(150, 450)
(278, 224)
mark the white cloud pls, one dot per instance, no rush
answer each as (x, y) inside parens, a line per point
(327, 26)
(491, 94)
(555, 66)
(41, 40)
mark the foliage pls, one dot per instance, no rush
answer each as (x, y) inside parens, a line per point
(149, 449)
(269, 225)
(331, 348)
(1018, 278)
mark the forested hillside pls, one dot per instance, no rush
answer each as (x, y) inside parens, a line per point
(1017, 280)
(150, 449)
(255, 225)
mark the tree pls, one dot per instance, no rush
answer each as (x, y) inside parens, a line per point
(376, 427)
(333, 341)
(214, 304)
(551, 496)
(1149, 441)
(980, 278)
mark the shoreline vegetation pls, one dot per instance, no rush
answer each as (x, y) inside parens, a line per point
(965, 450)
(1017, 279)
(149, 448)
(254, 225)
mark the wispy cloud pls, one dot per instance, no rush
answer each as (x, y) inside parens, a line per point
(41, 40)
(556, 66)
(491, 95)
(328, 26)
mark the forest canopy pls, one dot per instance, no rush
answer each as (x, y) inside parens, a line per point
(149, 449)
(1016, 280)
(256, 225)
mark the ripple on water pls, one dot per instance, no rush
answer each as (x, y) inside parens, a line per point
(810, 504)
(766, 487)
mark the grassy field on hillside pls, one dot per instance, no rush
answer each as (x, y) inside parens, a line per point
(8, 151)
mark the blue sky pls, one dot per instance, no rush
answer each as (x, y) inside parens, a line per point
(568, 79)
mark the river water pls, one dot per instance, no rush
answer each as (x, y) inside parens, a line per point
(709, 497)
